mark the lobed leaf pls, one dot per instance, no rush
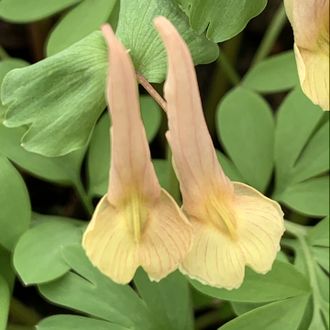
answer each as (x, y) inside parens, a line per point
(135, 29)
(274, 74)
(279, 315)
(310, 197)
(169, 300)
(59, 98)
(87, 290)
(82, 20)
(297, 118)
(64, 169)
(37, 255)
(282, 282)
(15, 206)
(69, 322)
(221, 19)
(22, 11)
(246, 128)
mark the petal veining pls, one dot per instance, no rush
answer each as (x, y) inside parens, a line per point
(234, 225)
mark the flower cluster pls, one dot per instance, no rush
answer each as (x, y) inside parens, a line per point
(221, 227)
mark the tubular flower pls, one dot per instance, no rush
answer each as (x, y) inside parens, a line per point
(136, 223)
(310, 24)
(234, 225)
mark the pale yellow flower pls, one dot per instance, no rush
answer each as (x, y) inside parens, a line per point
(137, 223)
(310, 24)
(234, 225)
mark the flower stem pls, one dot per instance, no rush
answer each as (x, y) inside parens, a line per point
(3, 54)
(295, 229)
(85, 199)
(220, 82)
(228, 68)
(270, 35)
(22, 314)
(152, 92)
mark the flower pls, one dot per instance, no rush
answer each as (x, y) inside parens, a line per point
(234, 225)
(136, 223)
(310, 24)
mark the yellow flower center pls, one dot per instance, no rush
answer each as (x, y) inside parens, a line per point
(221, 214)
(136, 216)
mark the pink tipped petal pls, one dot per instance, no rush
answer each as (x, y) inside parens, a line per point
(109, 245)
(234, 225)
(193, 152)
(219, 259)
(164, 241)
(131, 167)
(215, 259)
(310, 24)
(167, 240)
(260, 227)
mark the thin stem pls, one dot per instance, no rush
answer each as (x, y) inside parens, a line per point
(153, 93)
(85, 199)
(220, 83)
(3, 54)
(22, 314)
(4, 303)
(295, 229)
(228, 69)
(270, 35)
(208, 319)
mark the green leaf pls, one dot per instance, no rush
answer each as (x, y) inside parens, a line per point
(242, 308)
(314, 159)
(4, 302)
(163, 168)
(52, 97)
(135, 28)
(169, 300)
(274, 74)
(297, 118)
(69, 322)
(87, 290)
(65, 169)
(245, 126)
(22, 11)
(319, 234)
(282, 282)
(321, 254)
(54, 100)
(151, 116)
(310, 197)
(15, 207)
(37, 256)
(228, 166)
(8, 64)
(5, 66)
(98, 159)
(285, 314)
(85, 18)
(221, 19)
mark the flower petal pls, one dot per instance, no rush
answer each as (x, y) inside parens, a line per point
(193, 151)
(313, 69)
(131, 167)
(260, 227)
(310, 24)
(215, 259)
(109, 245)
(167, 239)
